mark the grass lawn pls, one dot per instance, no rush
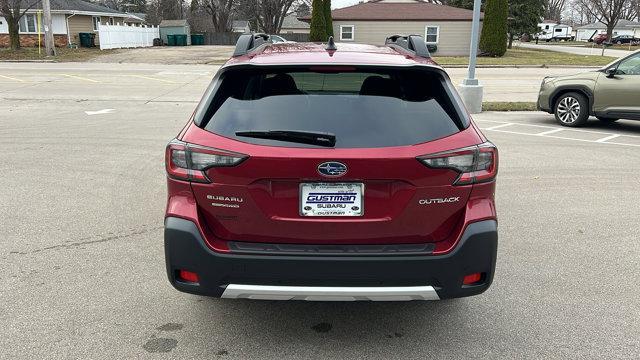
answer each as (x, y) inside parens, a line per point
(508, 106)
(518, 56)
(63, 54)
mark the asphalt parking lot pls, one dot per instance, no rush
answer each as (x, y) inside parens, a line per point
(82, 263)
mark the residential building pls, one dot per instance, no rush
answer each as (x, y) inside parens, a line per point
(445, 26)
(68, 19)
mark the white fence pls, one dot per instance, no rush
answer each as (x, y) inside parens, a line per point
(126, 36)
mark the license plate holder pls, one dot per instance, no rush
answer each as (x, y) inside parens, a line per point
(331, 199)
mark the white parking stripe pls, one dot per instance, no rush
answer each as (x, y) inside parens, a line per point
(607, 138)
(499, 126)
(549, 132)
(11, 78)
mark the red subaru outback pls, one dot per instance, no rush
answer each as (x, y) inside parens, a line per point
(331, 172)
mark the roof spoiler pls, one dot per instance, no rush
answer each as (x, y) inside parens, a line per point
(412, 43)
(249, 42)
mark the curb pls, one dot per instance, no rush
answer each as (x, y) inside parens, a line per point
(27, 61)
(542, 66)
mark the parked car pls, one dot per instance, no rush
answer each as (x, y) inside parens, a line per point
(313, 172)
(610, 93)
(599, 39)
(625, 39)
(279, 39)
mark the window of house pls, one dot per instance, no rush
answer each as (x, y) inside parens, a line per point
(346, 32)
(96, 20)
(111, 21)
(432, 34)
(28, 23)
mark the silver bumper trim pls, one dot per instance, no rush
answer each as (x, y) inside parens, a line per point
(330, 293)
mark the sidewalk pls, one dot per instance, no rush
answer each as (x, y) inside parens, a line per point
(575, 49)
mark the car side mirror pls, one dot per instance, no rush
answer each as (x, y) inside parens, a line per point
(611, 72)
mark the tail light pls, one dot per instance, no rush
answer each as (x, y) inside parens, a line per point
(189, 162)
(475, 164)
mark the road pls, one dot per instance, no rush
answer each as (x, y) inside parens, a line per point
(82, 266)
(578, 50)
(105, 81)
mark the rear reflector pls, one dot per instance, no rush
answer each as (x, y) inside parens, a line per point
(472, 279)
(188, 276)
(189, 162)
(475, 164)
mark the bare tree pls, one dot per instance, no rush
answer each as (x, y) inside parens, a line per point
(553, 9)
(271, 13)
(221, 12)
(13, 11)
(608, 12)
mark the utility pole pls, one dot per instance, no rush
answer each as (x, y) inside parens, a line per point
(471, 90)
(48, 31)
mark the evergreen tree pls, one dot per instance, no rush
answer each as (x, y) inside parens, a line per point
(328, 21)
(524, 16)
(318, 31)
(493, 40)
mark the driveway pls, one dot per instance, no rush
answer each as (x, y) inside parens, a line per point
(208, 54)
(578, 50)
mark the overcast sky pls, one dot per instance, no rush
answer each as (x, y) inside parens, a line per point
(342, 3)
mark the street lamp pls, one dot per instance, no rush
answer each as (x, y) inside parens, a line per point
(470, 89)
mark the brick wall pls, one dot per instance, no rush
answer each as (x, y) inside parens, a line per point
(29, 40)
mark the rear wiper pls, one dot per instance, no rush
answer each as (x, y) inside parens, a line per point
(302, 137)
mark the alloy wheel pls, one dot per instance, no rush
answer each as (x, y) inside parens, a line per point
(568, 110)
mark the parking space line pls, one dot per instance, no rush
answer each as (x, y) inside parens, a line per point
(606, 138)
(565, 138)
(11, 78)
(152, 78)
(499, 126)
(549, 132)
(80, 78)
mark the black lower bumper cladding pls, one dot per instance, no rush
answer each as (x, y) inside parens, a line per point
(185, 249)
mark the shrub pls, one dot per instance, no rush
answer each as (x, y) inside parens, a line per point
(493, 41)
(318, 30)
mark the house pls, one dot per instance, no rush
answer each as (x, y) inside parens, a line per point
(174, 27)
(240, 26)
(624, 27)
(68, 19)
(372, 22)
(291, 25)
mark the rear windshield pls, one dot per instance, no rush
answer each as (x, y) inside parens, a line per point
(360, 107)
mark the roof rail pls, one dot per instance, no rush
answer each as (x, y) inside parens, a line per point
(412, 43)
(249, 42)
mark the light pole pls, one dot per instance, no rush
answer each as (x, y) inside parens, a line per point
(470, 89)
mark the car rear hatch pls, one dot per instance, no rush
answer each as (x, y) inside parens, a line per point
(370, 187)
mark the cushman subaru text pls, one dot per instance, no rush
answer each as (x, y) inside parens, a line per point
(331, 172)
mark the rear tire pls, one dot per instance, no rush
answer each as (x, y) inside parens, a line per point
(607, 120)
(571, 109)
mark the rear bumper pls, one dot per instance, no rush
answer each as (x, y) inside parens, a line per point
(315, 277)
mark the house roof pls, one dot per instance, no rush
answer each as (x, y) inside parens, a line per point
(172, 23)
(292, 22)
(72, 5)
(400, 11)
(600, 26)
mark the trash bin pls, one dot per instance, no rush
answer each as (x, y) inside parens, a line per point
(171, 40)
(197, 39)
(181, 40)
(87, 39)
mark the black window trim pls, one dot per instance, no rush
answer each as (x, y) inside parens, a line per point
(202, 110)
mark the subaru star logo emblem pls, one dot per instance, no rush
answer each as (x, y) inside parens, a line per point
(332, 169)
